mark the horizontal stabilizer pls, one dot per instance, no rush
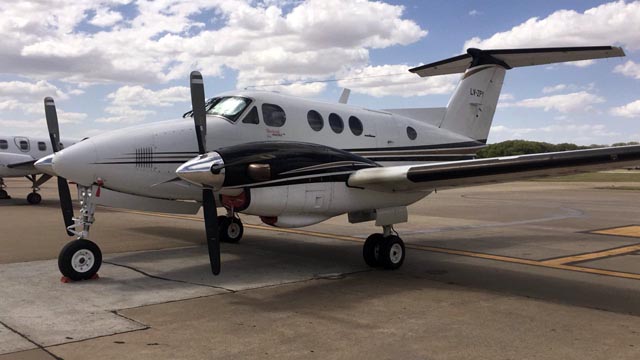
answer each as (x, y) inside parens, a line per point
(510, 58)
(494, 170)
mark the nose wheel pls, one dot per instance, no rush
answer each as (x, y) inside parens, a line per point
(384, 251)
(34, 198)
(80, 260)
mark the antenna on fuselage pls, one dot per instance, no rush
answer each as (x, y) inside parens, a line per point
(344, 97)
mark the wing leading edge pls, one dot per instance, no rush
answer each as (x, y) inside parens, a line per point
(493, 170)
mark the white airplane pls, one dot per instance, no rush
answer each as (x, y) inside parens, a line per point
(295, 162)
(17, 156)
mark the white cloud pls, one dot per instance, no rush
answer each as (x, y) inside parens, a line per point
(395, 80)
(506, 97)
(611, 23)
(630, 110)
(554, 88)
(105, 18)
(140, 96)
(564, 103)
(132, 104)
(474, 12)
(630, 69)
(314, 40)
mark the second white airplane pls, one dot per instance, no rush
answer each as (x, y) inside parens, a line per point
(296, 162)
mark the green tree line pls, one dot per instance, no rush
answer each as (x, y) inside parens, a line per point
(521, 147)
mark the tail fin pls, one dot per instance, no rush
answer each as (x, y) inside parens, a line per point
(471, 108)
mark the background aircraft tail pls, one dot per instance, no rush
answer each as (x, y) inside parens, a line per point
(471, 108)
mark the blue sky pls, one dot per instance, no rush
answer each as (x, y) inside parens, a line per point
(116, 63)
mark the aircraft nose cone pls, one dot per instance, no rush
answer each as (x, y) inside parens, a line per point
(45, 165)
(77, 162)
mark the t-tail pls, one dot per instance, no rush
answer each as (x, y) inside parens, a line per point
(471, 108)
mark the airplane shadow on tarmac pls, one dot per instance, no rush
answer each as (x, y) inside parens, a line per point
(261, 260)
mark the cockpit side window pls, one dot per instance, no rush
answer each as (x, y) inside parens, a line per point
(4, 144)
(230, 107)
(273, 115)
(252, 116)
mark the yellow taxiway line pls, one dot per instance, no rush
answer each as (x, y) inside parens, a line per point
(560, 263)
(594, 255)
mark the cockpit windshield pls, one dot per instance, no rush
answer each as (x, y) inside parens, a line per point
(228, 107)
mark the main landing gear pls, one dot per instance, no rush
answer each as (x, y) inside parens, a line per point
(384, 250)
(34, 198)
(3, 193)
(230, 228)
(81, 259)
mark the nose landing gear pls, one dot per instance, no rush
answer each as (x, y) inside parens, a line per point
(34, 198)
(81, 259)
(384, 250)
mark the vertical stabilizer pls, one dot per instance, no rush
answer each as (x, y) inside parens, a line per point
(471, 108)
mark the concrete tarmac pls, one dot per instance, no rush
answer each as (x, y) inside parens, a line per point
(522, 270)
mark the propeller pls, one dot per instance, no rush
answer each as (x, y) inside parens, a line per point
(208, 200)
(63, 187)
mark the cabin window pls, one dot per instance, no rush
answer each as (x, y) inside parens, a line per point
(355, 125)
(4, 144)
(315, 120)
(411, 133)
(23, 145)
(336, 123)
(273, 115)
(252, 117)
(230, 107)
(42, 146)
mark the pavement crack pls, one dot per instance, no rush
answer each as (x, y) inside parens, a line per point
(29, 340)
(167, 279)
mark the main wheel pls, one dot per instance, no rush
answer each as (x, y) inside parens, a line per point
(391, 255)
(371, 250)
(34, 198)
(230, 229)
(4, 194)
(80, 259)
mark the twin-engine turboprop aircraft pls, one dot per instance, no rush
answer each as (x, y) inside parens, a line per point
(17, 156)
(296, 162)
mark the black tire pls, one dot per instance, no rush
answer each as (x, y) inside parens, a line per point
(371, 250)
(34, 198)
(391, 255)
(230, 230)
(4, 194)
(80, 268)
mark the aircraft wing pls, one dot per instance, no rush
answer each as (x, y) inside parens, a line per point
(445, 175)
(22, 165)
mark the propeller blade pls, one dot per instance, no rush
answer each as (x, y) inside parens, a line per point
(63, 187)
(199, 111)
(52, 123)
(208, 202)
(65, 203)
(211, 229)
